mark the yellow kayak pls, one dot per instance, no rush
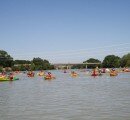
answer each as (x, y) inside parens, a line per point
(40, 74)
(7, 79)
(74, 75)
(48, 78)
(113, 74)
(4, 79)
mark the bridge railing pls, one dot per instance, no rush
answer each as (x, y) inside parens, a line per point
(76, 63)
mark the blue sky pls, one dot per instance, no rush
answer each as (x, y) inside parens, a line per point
(64, 30)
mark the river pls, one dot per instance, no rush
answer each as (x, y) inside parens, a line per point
(66, 98)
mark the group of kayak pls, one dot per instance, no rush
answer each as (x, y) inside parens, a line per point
(95, 73)
(11, 76)
(100, 72)
(47, 76)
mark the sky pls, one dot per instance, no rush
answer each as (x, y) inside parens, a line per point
(64, 31)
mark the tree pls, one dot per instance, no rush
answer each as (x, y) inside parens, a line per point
(41, 64)
(80, 66)
(5, 59)
(22, 62)
(32, 66)
(92, 60)
(16, 68)
(111, 61)
(1, 69)
(37, 61)
(125, 60)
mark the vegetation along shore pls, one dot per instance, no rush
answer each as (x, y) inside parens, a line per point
(7, 63)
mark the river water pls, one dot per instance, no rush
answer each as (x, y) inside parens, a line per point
(66, 98)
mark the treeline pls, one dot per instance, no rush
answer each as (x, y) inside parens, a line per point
(35, 64)
(6, 61)
(110, 61)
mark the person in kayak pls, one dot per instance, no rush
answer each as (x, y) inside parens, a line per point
(49, 76)
(30, 73)
(113, 72)
(94, 73)
(11, 76)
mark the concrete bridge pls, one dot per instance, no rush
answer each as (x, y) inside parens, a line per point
(69, 65)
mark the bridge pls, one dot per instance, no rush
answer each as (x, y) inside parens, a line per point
(69, 65)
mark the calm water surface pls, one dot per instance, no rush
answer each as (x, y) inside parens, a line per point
(66, 98)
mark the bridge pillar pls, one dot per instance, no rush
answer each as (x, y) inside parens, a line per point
(68, 66)
(86, 66)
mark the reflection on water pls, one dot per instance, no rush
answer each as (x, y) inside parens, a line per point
(66, 98)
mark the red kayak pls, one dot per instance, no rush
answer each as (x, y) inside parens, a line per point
(94, 75)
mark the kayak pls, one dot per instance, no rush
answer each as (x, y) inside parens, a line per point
(94, 75)
(113, 74)
(30, 75)
(74, 75)
(40, 74)
(7, 79)
(4, 79)
(48, 78)
(15, 78)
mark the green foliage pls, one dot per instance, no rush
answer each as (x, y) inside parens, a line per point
(35, 64)
(1, 69)
(111, 61)
(78, 67)
(32, 66)
(16, 68)
(41, 64)
(52, 67)
(5, 59)
(125, 60)
(22, 62)
(21, 65)
(19, 68)
(92, 60)
(37, 61)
